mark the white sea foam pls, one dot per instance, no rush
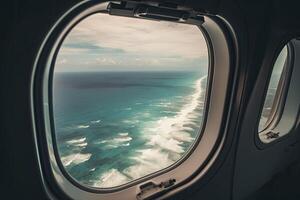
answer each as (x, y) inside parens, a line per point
(125, 145)
(178, 97)
(123, 134)
(164, 104)
(182, 136)
(121, 140)
(101, 142)
(84, 144)
(148, 161)
(166, 143)
(83, 126)
(166, 136)
(76, 141)
(131, 121)
(111, 178)
(186, 128)
(75, 159)
(168, 132)
(96, 121)
(93, 169)
(81, 142)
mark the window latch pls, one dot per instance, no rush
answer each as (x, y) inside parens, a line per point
(158, 13)
(155, 12)
(272, 134)
(150, 190)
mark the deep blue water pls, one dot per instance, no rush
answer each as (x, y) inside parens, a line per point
(114, 127)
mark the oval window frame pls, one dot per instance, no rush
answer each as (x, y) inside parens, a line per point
(280, 114)
(221, 47)
(135, 181)
(280, 91)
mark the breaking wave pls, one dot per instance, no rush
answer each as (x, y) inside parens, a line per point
(78, 157)
(111, 178)
(75, 159)
(83, 126)
(166, 138)
(121, 140)
(96, 121)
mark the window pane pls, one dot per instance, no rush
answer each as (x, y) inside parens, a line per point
(128, 97)
(273, 86)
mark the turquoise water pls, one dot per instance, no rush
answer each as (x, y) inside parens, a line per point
(115, 127)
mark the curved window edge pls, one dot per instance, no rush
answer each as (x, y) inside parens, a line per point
(285, 108)
(280, 91)
(211, 132)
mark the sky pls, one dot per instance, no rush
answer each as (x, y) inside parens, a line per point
(279, 64)
(278, 68)
(103, 42)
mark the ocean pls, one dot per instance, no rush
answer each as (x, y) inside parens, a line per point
(115, 127)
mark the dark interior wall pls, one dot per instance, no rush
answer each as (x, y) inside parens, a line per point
(27, 22)
(260, 26)
(280, 26)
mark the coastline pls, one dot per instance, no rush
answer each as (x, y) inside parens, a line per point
(166, 140)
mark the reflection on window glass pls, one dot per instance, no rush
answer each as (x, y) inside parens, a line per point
(128, 97)
(272, 88)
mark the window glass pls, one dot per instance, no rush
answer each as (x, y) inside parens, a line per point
(128, 97)
(269, 104)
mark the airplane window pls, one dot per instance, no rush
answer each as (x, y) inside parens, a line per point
(273, 88)
(129, 97)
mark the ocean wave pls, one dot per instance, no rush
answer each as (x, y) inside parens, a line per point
(96, 121)
(147, 161)
(111, 178)
(166, 143)
(165, 139)
(101, 142)
(123, 134)
(75, 159)
(169, 133)
(83, 126)
(163, 104)
(93, 169)
(127, 121)
(122, 140)
(81, 142)
(76, 141)
(84, 144)
(126, 144)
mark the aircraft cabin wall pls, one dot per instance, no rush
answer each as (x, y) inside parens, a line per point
(258, 30)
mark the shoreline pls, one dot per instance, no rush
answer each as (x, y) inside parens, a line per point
(164, 146)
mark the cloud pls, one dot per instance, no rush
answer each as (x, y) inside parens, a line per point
(107, 40)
